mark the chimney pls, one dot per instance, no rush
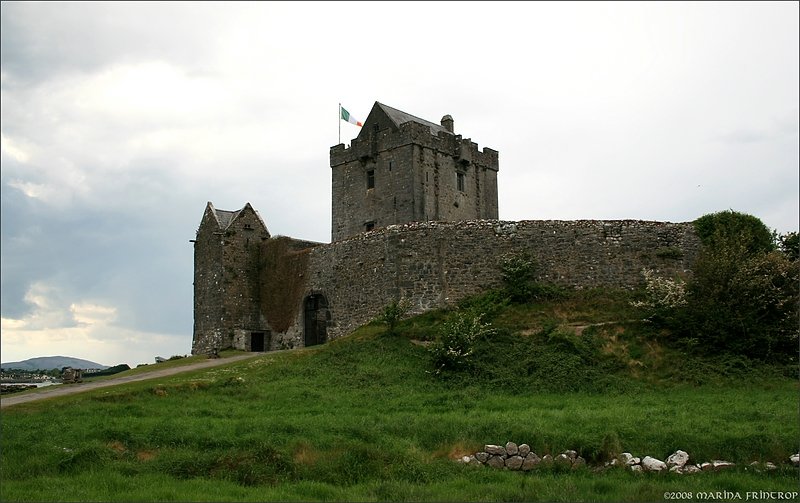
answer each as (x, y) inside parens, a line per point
(447, 122)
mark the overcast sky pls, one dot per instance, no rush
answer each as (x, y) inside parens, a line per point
(121, 120)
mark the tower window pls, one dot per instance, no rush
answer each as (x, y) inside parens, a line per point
(460, 182)
(371, 179)
(390, 165)
(369, 226)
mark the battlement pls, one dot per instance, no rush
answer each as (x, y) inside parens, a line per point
(365, 148)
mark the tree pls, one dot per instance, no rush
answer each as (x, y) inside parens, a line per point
(717, 229)
(743, 303)
(744, 293)
(789, 244)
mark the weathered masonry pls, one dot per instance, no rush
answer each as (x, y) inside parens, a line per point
(402, 169)
(397, 236)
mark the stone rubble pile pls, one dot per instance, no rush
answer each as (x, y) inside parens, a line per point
(520, 457)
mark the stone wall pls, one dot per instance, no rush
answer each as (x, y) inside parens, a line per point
(437, 264)
(226, 280)
(415, 177)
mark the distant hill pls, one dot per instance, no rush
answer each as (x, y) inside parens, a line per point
(52, 362)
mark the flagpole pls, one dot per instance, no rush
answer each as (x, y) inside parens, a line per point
(339, 120)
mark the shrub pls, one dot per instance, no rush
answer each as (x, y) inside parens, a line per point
(743, 296)
(789, 244)
(663, 296)
(393, 313)
(456, 342)
(517, 272)
(744, 304)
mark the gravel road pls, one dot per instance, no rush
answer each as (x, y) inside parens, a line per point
(71, 389)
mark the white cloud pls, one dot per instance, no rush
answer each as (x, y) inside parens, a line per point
(83, 329)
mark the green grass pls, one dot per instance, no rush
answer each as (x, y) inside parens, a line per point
(363, 419)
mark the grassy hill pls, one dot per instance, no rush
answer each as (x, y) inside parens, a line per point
(364, 418)
(52, 362)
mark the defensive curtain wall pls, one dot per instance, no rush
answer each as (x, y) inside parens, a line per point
(280, 293)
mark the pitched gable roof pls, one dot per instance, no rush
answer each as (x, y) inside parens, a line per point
(400, 117)
(225, 218)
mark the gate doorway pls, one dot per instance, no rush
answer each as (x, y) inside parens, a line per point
(257, 342)
(316, 320)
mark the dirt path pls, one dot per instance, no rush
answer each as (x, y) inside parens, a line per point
(62, 390)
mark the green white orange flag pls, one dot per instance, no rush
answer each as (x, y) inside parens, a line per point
(345, 115)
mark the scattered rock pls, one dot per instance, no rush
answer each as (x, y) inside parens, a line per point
(720, 465)
(530, 461)
(495, 450)
(651, 464)
(678, 458)
(482, 456)
(795, 459)
(514, 462)
(563, 460)
(496, 462)
(512, 449)
(759, 467)
(520, 457)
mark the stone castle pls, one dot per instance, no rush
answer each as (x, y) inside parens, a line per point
(414, 218)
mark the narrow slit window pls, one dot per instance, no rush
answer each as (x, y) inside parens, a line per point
(460, 182)
(371, 179)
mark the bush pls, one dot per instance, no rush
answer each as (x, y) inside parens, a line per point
(743, 304)
(743, 296)
(662, 296)
(456, 342)
(789, 244)
(517, 272)
(393, 313)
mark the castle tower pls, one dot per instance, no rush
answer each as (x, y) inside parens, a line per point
(404, 169)
(226, 281)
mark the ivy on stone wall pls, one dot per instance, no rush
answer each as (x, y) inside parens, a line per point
(283, 281)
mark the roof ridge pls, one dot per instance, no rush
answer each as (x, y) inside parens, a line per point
(435, 127)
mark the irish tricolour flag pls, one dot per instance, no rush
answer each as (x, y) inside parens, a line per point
(349, 118)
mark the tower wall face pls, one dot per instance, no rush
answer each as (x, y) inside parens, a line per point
(209, 288)
(393, 177)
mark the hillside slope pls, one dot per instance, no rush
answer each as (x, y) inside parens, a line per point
(366, 418)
